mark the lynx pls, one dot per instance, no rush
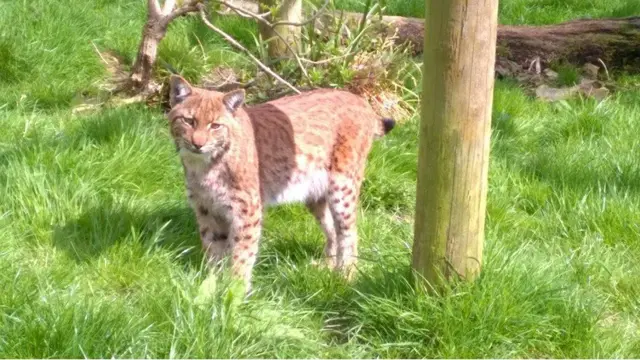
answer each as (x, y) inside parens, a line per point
(309, 148)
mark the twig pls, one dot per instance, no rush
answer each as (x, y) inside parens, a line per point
(228, 86)
(246, 13)
(605, 68)
(99, 54)
(535, 64)
(228, 11)
(318, 62)
(242, 12)
(190, 6)
(235, 43)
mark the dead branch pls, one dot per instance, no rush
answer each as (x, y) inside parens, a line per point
(189, 7)
(243, 12)
(239, 46)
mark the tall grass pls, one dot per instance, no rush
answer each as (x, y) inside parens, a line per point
(99, 253)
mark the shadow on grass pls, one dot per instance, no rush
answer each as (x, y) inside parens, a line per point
(107, 224)
(96, 129)
(284, 270)
(293, 250)
(350, 310)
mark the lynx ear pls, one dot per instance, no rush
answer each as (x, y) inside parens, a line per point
(180, 90)
(233, 99)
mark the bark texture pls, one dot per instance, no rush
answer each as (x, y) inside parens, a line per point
(615, 41)
(288, 11)
(453, 155)
(154, 30)
(142, 70)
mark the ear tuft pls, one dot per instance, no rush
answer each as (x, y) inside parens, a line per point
(233, 100)
(180, 90)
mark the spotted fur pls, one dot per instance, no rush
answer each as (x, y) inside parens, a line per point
(308, 148)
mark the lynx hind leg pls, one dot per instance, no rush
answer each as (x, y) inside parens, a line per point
(321, 211)
(343, 197)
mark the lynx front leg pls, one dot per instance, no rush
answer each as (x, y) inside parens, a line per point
(214, 234)
(244, 237)
(321, 211)
(343, 195)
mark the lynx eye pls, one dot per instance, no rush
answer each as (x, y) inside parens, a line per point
(188, 121)
(214, 126)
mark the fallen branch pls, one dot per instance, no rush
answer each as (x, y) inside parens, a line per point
(239, 46)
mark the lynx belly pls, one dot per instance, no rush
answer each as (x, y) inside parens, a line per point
(302, 187)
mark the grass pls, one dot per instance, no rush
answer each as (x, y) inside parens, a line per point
(100, 257)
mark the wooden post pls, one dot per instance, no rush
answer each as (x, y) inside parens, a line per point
(458, 73)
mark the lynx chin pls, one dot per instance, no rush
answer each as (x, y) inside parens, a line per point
(309, 148)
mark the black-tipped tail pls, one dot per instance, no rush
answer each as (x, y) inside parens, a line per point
(388, 124)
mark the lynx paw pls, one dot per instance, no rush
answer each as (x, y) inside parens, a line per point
(350, 273)
(324, 263)
(206, 290)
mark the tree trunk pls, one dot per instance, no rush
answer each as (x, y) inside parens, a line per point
(289, 11)
(453, 155)
(158, 19)
(152, 33)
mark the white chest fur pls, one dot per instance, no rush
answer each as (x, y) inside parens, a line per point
(203, 180)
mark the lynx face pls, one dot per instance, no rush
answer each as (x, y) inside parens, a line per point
(201, 120)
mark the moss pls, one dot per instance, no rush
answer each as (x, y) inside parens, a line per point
(503, 51)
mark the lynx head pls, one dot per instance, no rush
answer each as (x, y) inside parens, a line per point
(202, 120)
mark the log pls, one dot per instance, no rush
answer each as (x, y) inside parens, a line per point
(614, 41)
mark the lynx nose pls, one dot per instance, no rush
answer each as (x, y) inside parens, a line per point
(199, 139)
